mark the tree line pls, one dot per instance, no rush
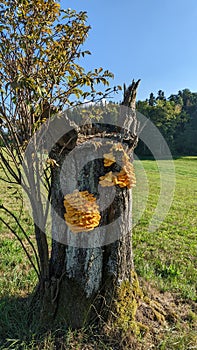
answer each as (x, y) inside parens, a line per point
(175, 117)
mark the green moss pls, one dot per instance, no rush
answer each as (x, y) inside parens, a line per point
(126, 305)
(129, 298)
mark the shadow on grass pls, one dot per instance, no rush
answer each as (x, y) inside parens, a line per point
(20, 329)
(13, 320)
(16, 330)
(17, 333)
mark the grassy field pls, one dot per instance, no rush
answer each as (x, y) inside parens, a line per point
(165, 260)
(168, 257)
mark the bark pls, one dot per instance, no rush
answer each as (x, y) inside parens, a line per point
(87, 268)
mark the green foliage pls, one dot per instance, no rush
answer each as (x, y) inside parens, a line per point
(176, 119)
(40, 49)
(41, 46)
(106, 112)
(164, 114)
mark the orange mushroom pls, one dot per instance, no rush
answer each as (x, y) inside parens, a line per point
(107, 180)
(117, 147)
(109, 159)
(126, 177)
(82, 212)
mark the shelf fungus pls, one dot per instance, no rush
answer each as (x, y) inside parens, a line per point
(109, 159)
(126, 176)
(108, 180)
(117, 147)
(82, 212)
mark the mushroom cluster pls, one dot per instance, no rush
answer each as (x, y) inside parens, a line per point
(117, 147)
(82, 212)
(109, 159)
(126, 176)
(108, 180)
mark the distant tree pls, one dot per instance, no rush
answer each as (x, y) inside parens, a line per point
(185, 142)
(177, 99)
(161, 95)
(175, 117)
(188, 98)
(165, 115)
(186, 131)
(151, 100)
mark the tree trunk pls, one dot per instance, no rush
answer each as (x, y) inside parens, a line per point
(86, 268)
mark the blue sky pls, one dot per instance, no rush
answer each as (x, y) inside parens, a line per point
(153, 40)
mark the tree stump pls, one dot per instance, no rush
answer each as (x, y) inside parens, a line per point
(86, 268)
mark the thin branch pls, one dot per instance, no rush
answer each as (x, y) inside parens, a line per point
(9, 181)
(13, 133)
(20, 240)
(8, 150)
(11, 171)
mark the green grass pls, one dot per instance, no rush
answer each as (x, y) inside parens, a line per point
(166, 259)
(168, 256)
(17, 278)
